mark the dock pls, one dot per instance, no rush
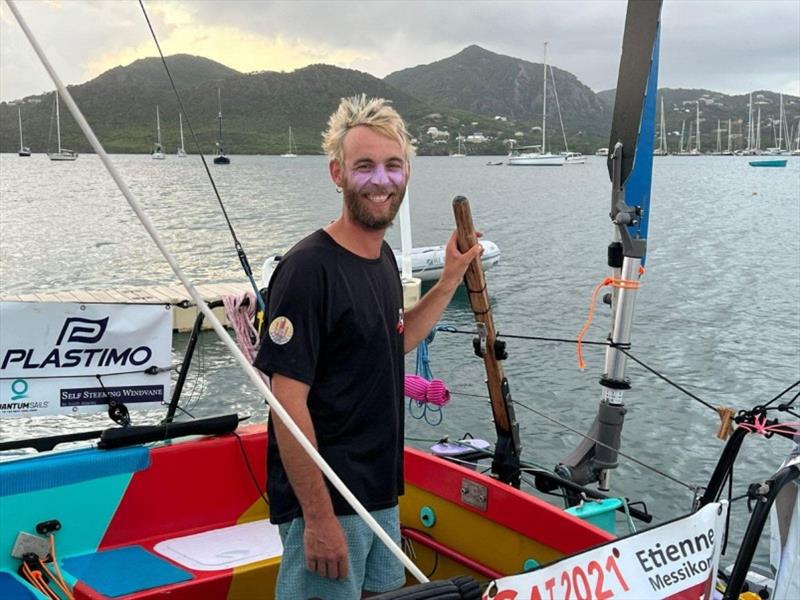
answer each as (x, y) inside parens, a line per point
(183, 309)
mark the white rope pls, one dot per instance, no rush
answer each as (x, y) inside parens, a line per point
(217, 326)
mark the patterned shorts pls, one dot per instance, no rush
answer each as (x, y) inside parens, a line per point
(371, 566)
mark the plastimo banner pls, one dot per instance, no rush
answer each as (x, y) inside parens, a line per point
(676, 561)
(69, 358)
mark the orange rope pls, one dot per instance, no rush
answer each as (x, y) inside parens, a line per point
(59, 578)
(36, 579)
(627, 284)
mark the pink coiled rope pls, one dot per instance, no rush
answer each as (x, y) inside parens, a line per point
(420, 389)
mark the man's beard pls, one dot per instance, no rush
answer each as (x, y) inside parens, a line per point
(359, 208)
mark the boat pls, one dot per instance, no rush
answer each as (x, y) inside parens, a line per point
(573, 158)
(181, 149)
(220, 158)
(157, 153)
(177, 509)
(773, 162)
(427, 262)
(292, 149)
(570, 158)
(63, 154)
(460, 152)
(533, 156)
(601, 152)
(23, 149)
(662, 134)
(495, 163)
(537, 156)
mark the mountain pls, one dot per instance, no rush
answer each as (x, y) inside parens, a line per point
(474, 92)
(258, 108)
(483, 82)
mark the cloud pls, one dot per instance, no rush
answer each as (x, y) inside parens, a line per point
(180, 31)
(725, 45)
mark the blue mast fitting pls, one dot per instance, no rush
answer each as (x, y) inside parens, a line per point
(638, 184)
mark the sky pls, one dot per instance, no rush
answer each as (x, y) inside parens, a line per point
(730, 46)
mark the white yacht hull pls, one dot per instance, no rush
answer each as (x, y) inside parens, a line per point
(536, 160)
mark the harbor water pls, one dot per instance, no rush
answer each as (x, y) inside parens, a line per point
(718, 311)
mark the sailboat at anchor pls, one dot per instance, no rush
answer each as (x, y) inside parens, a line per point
(181, 149)
(157, 153)
(63, 154)
(220, 158)
(292, 146)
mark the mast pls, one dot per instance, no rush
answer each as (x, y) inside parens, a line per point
(58, 125)
(780, 124)
(219, 116)
(544, 101)
(158, 126)
(689, 137)
(19, 114)
(750, 123)
(719, 137)
(180, 124)
(729, 135)
(683, 128)
(630, 167)
(698, 126)
(758, 130)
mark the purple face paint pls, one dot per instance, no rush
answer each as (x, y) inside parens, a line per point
(377, 176)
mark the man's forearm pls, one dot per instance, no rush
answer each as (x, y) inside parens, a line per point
(421, 319)
(305, 477)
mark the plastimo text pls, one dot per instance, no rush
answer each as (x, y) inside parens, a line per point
(76, 358)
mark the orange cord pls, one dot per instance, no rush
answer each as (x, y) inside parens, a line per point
(60, 578)
(627, 284)
(36, 579)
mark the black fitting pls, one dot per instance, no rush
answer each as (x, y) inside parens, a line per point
(48, 527)
(615, 255)
(476, 347)
(614, 384)
(500, 350)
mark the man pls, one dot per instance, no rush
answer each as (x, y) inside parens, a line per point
(334, 350)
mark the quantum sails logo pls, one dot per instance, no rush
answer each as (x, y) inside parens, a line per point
(76, 330)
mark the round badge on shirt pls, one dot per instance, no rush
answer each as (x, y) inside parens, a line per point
(281, 330)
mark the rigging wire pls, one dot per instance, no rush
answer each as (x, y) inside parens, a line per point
(693, 488)
(237, 244)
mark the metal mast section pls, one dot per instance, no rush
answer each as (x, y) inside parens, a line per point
(630, 167)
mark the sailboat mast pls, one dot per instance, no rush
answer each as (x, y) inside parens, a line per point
(750, 123)
(780, 124)
(663, 144)
(219, 116)
(158, 126)
(698, 126)
(180, 123)
(58, 125)
(729, 135)
(544, 101)
(719, 137)
(683, 128)
(758, 130)
(19, 114)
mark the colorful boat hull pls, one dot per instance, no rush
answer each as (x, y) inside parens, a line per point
(139, 498)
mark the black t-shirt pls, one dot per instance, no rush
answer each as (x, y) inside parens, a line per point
(335, 322)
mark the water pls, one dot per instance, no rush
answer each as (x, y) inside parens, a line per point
(718, 311)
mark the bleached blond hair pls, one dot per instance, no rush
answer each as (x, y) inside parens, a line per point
(375, 113)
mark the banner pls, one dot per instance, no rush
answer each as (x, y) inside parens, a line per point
(70, 358)
(675, 561)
